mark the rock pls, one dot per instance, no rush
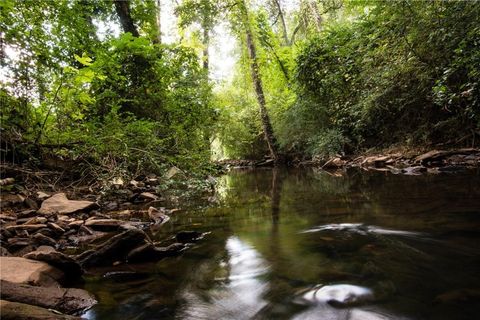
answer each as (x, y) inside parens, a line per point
(189, 236)
(26, 213)
(16, 242)
(42, 195)
(59, 203)
(22, 311)
(26, 271)
(104, 224)
(148, 252)
(124, 214)
(173, 171)
(8, 199)
(66, 300)
(28, 227)
(55, 227)
(43, 239)
(36, 220)
(377, 161)
(32, 204)
(157, 216)
(76, 224)
(66, 264)
(4, 252)
(339, 295)
(114, 249)
(153, 181)
(147, 196)
(117, 182)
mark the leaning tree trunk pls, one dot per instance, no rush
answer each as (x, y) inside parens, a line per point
(257, 82)
(122, 8)
(282, 20)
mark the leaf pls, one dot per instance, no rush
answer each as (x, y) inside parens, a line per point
(84, 59)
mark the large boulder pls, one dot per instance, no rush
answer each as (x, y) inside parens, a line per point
(26, 271)
(59, 203)
(65, 300)
(22, 311)
(114, 249)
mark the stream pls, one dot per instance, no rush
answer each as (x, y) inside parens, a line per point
(307, 244)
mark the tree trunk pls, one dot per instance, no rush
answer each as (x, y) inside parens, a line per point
(122, 8)
(206, 44)
(257, 82)
(282, 20)
(159, 22)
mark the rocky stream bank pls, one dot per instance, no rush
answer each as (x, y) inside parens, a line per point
(49, 240)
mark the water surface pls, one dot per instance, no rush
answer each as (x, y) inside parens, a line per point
(307, 244)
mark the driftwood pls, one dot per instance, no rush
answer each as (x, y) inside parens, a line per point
(439, 154)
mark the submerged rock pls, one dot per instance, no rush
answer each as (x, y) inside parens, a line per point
(59, 203)
(66, 300)
(189, 236)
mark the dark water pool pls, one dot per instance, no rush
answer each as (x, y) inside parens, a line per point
(306, 244)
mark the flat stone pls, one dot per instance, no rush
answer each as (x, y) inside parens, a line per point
(23, 311)
(59, 203)
(36, 220)
(76, 224)
(17, 242)
(147, 196)
(28, 227)
(104, 224)
(26, 271)
(43, 239)
(55, 227)
(66, 300)
(42, 195)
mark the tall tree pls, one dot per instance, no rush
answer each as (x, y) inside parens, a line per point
(205, 13)
(258, 86)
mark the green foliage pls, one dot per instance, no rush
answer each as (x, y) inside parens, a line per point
(403, 72)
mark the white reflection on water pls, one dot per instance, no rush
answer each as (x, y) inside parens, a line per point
(238, 295)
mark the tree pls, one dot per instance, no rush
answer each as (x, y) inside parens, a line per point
(122, 8)
(258, 86)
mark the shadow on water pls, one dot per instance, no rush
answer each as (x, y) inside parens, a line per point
(306, 244)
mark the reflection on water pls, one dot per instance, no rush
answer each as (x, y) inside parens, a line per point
(305, 244)
(238, 294)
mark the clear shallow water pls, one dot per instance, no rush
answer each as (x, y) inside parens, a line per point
(305, 244)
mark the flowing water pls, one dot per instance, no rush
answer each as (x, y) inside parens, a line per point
(306, 244)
